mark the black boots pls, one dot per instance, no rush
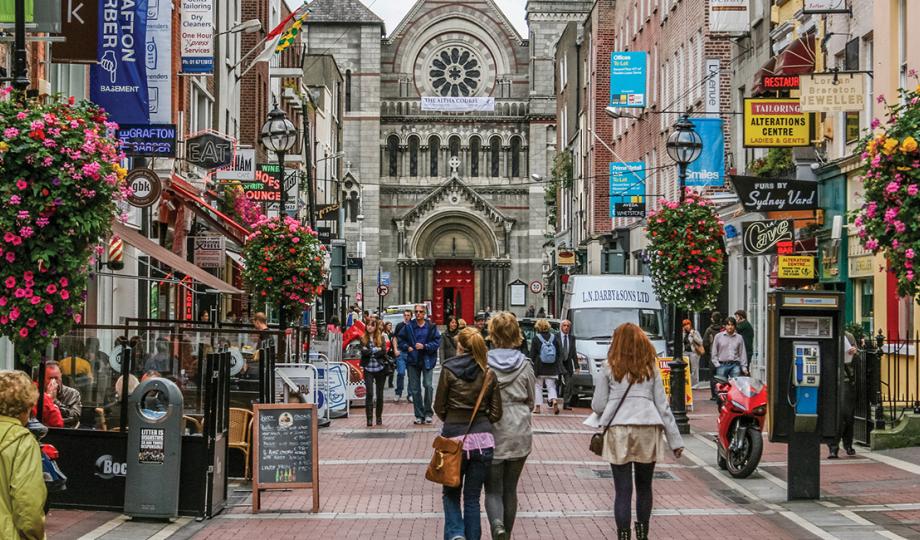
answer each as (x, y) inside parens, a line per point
(641, 531)
(624, 534)
(498, 530)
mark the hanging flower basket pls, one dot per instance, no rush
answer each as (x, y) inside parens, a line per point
(284, 261)
(889, 220)
(686, 253)
(61, 181)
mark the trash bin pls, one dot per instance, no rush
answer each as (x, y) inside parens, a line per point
(154, 450)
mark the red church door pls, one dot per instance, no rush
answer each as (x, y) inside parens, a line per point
(454, 284)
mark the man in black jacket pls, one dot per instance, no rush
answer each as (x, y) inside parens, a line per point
(565, 345)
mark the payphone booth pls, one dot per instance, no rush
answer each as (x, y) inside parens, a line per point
(804, 352)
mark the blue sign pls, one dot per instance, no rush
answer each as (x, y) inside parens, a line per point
(709, 169)
(384, 279)
(627, 189)
(118, 79)
(152, 140)
(627, 79)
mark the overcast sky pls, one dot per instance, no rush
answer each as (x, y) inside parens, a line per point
(392, 11)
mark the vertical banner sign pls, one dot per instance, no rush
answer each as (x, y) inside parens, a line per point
(709, 169)
(627, 189)
(627, 79)
(713, 86)
(158, 60)
(197, 36)
(729, 16)
(118, 79)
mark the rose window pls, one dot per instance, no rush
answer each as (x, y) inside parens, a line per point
(455, 71)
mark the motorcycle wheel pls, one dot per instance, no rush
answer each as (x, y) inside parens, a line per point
(742, 463)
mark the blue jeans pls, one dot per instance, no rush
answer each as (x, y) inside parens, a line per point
(473, 471)
(729, 370)
(400, 374)
(419, 377)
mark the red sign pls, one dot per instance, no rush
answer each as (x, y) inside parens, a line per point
(785, 247)
(778, 82)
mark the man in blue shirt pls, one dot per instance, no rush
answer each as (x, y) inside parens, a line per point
(419, 341)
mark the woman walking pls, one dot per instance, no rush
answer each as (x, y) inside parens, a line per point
(374, 362)
(392, 349)
(547, 363)
(693, 349)
(22, 484)
(629, 397)
(448, 348)
(513, 433)
(463, 378)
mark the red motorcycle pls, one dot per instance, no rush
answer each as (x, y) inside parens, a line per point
(742, 406)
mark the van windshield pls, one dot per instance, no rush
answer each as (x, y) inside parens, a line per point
(600, 323)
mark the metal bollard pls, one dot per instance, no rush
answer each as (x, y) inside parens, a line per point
(678, 397)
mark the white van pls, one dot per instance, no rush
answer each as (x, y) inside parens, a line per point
(596, 305)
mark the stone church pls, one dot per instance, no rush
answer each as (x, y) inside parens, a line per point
(444, 199)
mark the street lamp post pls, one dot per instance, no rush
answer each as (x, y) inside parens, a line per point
(20, 68)
(278, 136)
(684, 147)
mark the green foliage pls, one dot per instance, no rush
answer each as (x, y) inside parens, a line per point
(777, 162)
(561, 179)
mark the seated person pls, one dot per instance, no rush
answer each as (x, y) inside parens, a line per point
(149, 374)
(111, 412)
(65, 398)
(161, 360)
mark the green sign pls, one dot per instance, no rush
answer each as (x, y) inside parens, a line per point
(8, 11)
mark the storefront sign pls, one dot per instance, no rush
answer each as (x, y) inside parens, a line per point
(197, 36)
(145, 187)
(158, 58)
(242, 168)
(80, 29)
(565, 257)
(779, 82)
(327, 211)
(118, 79)
(796, 267)
(458, 104)
(775, 122)
(825, 6)
(840, 92)
(860, 267)
(627, 189)
(729, 16)
(627, 79)
(709, 169)
(762, 237)
(775, 194)
(150, 140)
(210, 251)
(713, 86)
(209, 150)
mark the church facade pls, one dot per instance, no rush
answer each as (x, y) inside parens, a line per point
(445, 201)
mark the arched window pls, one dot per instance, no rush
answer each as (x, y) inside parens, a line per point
(475, 148)
(392, 154)
(515, 157)
(348, 90)
(413, 156)
(454, 144)
(495, 149)
(434, 151)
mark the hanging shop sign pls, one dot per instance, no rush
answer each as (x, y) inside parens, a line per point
(264, 187)
(80, 30)
(627, 79)
(148, 140)
(197, 36)
(763, 237)
(327, 211)
(824, 6)
(145, 187)
(627, 189)
(729, 16)
(458, 104)
(565, 257)
(860, 267)
(209, 150)
(242, 168)
(840, 92)
(8, 11)
(210, 251)
(796, 267)
(709, 169)
(781, 82)
(158, 60)
(118, 79)
(713, 86)
(775, 194)
(776, 122)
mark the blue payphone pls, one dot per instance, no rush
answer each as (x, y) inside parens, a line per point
(807, 380)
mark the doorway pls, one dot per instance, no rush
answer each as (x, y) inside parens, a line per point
(454, 285)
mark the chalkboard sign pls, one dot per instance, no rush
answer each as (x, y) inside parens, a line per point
(285, 454)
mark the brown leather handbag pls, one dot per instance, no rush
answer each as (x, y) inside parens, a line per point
(597, 440)
(444, 468)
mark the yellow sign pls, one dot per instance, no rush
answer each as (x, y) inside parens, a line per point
(796, 267)
(833, 93)
(665, 370)
(775, 122)
(565, 257)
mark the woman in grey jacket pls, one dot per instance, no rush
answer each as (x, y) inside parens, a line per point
(634, 440)
(513, 433)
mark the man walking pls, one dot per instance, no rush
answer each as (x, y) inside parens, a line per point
(419, 341)
(747, 332)
(728, 353)
(566, 347)
(400, 355)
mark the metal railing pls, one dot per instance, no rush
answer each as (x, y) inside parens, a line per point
(289, 59)
(899, 389)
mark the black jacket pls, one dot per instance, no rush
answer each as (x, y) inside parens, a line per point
(539, 368)
(458, 388)
(448, 347)
(567, 353)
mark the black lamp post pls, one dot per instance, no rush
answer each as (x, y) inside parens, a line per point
(684, 147)
(279, 135)
(20, 68)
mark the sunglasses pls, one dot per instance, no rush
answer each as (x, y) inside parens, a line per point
(420, 311)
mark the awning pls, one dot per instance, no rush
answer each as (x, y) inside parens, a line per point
(757, 87)
(172, 260)
(237, 258)
(798, 58)
(221, 222)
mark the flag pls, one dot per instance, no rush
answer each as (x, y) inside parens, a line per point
(274, 38)
(287, 39)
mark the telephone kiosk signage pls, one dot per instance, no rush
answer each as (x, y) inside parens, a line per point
(804, 352)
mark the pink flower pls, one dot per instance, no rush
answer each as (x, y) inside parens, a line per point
(51, 289)
(63, 282)
(36, 299)
(17, 241)
(21, 115)
(20, 293)
(21, 184)
(913, 189)
(77, 318)
(899, 226)
(14, 199)
(295, 239)
(26, 232)
(10, 257)
(49, 309)
(892, 187)
(872, 244)
(910, 275)
(10, 133)
(31, 323)
(3, 301)
(909, 253)
(65, 294)
(23, 332)
(10, 282)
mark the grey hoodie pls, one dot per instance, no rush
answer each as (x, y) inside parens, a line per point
(513, 433)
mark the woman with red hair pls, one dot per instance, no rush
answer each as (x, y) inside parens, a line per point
(629, 397)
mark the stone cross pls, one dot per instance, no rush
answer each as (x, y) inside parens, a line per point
(454, 165)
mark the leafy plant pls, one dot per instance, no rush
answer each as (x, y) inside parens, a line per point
(778, 162)
(61, 182)
(889, 220)
(686, 253)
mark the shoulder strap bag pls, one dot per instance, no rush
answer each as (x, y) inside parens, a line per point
(444, 468)
(597, 440)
